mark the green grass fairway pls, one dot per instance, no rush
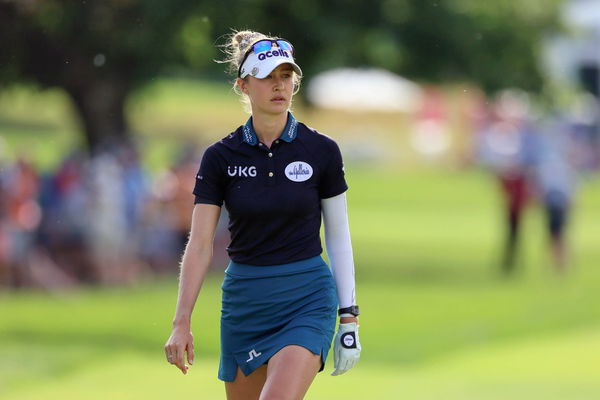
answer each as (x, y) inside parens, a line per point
(558, 367)
(438, 320)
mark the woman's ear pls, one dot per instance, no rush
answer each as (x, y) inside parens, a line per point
(242, 85)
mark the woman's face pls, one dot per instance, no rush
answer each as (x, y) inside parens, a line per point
(273, 94)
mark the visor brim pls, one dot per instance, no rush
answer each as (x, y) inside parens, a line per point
(267, 68)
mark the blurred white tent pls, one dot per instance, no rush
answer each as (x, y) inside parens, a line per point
(364, 89)
(582, 13)
(565, 53)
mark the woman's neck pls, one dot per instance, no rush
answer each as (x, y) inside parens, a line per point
(268, 128)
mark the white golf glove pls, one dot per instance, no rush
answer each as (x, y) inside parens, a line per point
(346, 348)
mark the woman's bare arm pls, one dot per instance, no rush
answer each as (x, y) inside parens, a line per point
(196, 260)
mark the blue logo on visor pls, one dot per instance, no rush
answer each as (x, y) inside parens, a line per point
(274, 53)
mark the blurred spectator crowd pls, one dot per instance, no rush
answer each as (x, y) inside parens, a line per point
(104, 219)
(538, 156)
(97, 220)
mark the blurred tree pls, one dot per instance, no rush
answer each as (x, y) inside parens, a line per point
(493, 43)
(100, 50)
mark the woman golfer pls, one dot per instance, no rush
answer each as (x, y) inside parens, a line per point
(276, 176)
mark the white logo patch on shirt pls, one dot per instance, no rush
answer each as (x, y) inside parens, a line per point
(298, 171)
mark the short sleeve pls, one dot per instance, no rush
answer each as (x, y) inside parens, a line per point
(332, 181)
(209, 187)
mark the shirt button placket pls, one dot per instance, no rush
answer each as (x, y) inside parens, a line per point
(271, 169)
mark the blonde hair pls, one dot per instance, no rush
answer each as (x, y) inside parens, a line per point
(236, 46)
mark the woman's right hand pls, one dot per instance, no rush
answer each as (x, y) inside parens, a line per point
(194, 264)
(180, 342)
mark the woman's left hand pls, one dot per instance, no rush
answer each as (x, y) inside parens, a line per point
(346, 347)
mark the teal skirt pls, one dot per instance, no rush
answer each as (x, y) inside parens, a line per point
(266, 308)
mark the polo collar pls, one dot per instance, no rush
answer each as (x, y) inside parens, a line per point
(288, 135)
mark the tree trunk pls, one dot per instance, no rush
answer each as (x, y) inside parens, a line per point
(100, 105)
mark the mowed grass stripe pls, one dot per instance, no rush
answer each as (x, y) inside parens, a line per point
(545, 368)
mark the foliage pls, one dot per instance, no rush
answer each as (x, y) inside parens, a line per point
(493, 43)
(55, 41)
(99, 51)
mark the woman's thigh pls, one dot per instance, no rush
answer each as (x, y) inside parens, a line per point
(289, 373)
(246, 387)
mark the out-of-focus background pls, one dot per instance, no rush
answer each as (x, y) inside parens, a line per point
(470, 132)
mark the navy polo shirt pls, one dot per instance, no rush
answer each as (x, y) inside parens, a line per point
(272, 194)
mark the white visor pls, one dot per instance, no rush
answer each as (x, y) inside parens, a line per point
(260, 65)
